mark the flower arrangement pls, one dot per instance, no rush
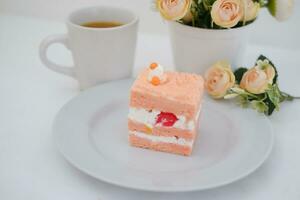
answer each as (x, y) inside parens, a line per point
(256, 87)
(220, 14)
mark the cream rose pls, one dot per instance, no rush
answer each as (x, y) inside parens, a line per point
(227, 13)
(256, 80)
(173, 9)
(251, 10)
(218, 79)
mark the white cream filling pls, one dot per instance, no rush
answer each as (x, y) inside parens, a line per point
(164, 139)
(148, 118)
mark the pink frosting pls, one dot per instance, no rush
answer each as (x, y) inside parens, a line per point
(182, 87)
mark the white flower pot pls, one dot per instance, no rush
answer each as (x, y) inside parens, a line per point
(196, 49)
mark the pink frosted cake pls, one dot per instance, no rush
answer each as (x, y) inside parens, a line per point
(164, 110)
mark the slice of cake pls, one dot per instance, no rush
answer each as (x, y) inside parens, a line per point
(164, 110)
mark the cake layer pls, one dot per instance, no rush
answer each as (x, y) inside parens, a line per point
(160, 145)
(149, 118)
(172, 139)
(180, 94)
(161, 131)
(148, 101)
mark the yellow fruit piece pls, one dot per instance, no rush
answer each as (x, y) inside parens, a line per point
(148, 130)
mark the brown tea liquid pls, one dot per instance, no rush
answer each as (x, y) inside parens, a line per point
(101, 24)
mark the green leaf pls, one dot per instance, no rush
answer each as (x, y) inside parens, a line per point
(207, 20)
(273, 99)
(274, 95)
(260, 106)
(262, 3)
(287, 97)
(271, 106)
(272, 7)
(208, 4)
(262, 58)
(238, 90)
(239, 24)
(243, 101)
(231, 96)
(239, 74)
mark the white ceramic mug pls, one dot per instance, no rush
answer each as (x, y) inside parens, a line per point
(196, 49)
(99, 54)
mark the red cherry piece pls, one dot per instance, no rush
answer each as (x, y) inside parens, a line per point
(166, 119)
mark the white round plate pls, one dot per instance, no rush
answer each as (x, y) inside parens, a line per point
(91, 132)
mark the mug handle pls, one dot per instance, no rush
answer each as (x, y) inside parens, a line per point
(63, 39)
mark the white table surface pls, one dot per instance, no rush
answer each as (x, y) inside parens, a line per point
(31, 95)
